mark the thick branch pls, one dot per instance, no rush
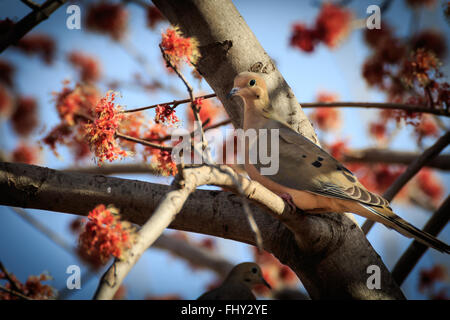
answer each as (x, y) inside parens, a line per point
(375, 155)
(411, 171)
(325, 261)
(31, 20)
(416, 249)
(378, 105)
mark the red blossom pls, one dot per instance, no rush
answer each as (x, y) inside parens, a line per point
(179, 48)
(206, 110)
(338, 149)
(6, 102)
(427, 127)
(429, 277)
(80, 100)
(417, 69)
(165, 114)
(25, 153)
(373, 71)
(165, 163)
(101, 132)
(6, 73)
(431, 40)
(208, 243)
(326, 118)
(25, 118)
(41, 44)
(33, 287)
(107, 18)
(333, 24)
(420, 3)
(303, 37)
(104, 235)
(57, 135)
(88, 66)
(378, 130)
(133, 125)
(430, 184)
(376, 37)
(154, 16)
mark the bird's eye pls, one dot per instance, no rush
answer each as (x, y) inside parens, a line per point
(254, 270)
(252, 82)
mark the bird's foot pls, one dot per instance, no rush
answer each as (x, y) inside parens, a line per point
(288, 199)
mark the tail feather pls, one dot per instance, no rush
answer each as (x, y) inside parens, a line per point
(391, 220)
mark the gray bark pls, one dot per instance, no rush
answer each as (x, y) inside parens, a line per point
(331, 262)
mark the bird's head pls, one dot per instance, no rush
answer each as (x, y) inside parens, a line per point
(252, 88)
(248, 273)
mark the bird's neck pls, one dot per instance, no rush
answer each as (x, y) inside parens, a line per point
(254, 118)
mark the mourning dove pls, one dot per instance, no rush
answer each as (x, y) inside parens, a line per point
(308, 177)
(238, 284)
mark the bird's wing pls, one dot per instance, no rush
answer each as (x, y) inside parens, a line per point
(305, 166)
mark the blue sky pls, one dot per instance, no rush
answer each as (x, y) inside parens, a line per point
(25, 251)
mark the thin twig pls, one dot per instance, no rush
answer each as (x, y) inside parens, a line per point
(15, 293)
(8, 277)
(410, 172)
(416, 249)
(143, 142)
(174, 103)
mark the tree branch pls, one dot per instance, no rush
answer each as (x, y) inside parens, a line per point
(411, 171)
(195, 255)
(416, 249)
(378, 105)
(323, 258)
(31, 20)
(376, 155)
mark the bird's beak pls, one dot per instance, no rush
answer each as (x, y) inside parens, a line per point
(266, 283)
(233, 92)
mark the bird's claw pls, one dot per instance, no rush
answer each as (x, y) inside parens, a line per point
(288, 199)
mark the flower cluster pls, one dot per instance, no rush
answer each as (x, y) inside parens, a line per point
(326, 118)
(165, 114)
(179, 48)
(32, 288)
(25, 153)
(154, 16)
(104, 235)
(88, 66)
(101, 132)
(430, 184)
(412, 78)
(428, 280)
(331, 26)
(6, 73)
(108, 18)
(206, 110)
(276, 274)
(40, 44)
(6, 102)
(25, 116)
